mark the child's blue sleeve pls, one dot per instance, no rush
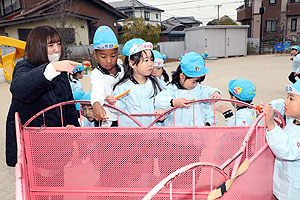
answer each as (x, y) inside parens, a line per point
(163, 99)
(283, 146)
(296, 60)
(238, 121)
(207, 91)
(210, 117)
(121, 102)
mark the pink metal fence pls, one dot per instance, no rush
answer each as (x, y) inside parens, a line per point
(126, 163)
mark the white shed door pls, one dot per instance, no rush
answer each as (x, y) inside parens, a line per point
(236, 43)
(214, 42)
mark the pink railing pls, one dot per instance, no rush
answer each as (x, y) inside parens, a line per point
(127, 162)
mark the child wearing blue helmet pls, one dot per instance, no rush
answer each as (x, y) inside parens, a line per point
(242, 90)
(159, 71)
(184, 87)
(296, 64)
(105, 75)
(143, 86)
(74, 78)
(285, 144)
(87, 111)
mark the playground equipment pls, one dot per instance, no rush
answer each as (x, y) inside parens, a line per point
(142, 162)
(8, 61)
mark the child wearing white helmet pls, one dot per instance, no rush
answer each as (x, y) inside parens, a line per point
(295, 50)
(285, 144)
(107, 73)
(159, 71)
(242, 90)
(186, 86)
(142, 86)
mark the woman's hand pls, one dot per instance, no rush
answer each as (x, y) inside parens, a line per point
(65, 66)
(181, 103)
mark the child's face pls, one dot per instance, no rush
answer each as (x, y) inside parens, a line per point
(292, 106)
(145, 66)
(87, 111)
(294, 52)
(157, 71)
(107, 59)
(188, 83)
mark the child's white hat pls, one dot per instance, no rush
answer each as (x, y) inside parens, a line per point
(294, 88)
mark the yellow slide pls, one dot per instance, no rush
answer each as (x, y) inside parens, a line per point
(8, 61)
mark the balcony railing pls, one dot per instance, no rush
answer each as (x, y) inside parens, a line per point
(244, 13)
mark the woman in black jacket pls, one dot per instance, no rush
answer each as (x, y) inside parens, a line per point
(38, 82)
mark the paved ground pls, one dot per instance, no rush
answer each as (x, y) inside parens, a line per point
(268, 72)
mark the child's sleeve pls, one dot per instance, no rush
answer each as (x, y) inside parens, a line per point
(210, 117)
(283, 146)
(297, 61)
(207, 91)
(238, 121)
(163, 100)
(98, 89)
(121, 102)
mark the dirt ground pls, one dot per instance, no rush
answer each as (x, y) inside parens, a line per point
(268, 72)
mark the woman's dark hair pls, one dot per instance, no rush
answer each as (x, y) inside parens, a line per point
(176, 76)
(128, 71)
(165, 75)
(249, 102)
(37, 44)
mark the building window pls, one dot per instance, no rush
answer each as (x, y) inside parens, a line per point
(294, 25)
(10, 6)
(147, 15)
(272, 1)
(271, 26)
(23, 33)
(129, 14)
(294, 1)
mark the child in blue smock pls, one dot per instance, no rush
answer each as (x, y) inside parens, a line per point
(242, 90)
(185, 86)
(74, 78)
(138, 66)
(88, 119)
(159, 71)
(295, 52)
(285, 144)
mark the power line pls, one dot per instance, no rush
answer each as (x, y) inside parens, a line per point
(204, 6)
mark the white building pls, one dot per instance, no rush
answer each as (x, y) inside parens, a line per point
(137, 9)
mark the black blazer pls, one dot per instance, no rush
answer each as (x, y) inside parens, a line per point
(32, 92)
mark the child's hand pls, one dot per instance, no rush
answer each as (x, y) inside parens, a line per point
(216, 95)
(69, 127)
(160, 112)
(222, 108)
(111, 99)
(65, 66)
(268, 110)
(181, 103)
(99, 112)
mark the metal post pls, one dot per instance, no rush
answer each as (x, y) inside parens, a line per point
(133, 10)
(261, 12)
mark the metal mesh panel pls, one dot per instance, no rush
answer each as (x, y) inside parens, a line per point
(128, 160)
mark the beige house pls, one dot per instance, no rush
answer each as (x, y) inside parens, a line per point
(77, 20)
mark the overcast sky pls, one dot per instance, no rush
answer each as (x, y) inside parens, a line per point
(202, 10)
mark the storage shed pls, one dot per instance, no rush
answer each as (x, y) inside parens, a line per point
(217, 40)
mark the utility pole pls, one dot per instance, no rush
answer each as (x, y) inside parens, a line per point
(133, 10)
(218, 7)
(261, 12)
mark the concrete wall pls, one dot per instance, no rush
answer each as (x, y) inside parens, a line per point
(81, 34)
